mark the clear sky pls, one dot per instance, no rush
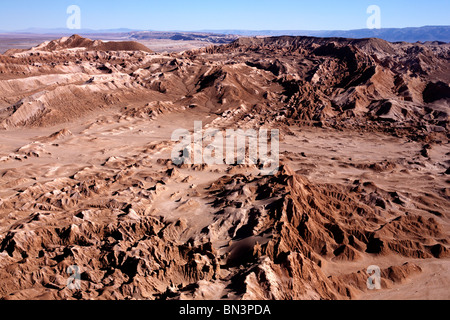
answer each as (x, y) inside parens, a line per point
(220, 14)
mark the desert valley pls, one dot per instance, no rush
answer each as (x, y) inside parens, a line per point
(87, 178)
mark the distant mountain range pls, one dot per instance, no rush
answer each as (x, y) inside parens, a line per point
(427, 33)
(413, 34)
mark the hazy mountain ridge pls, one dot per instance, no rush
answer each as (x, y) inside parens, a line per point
(410, 34)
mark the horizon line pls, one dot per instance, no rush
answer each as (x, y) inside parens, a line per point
(125, 29)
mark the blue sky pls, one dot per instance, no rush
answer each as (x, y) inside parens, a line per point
(218, 14)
